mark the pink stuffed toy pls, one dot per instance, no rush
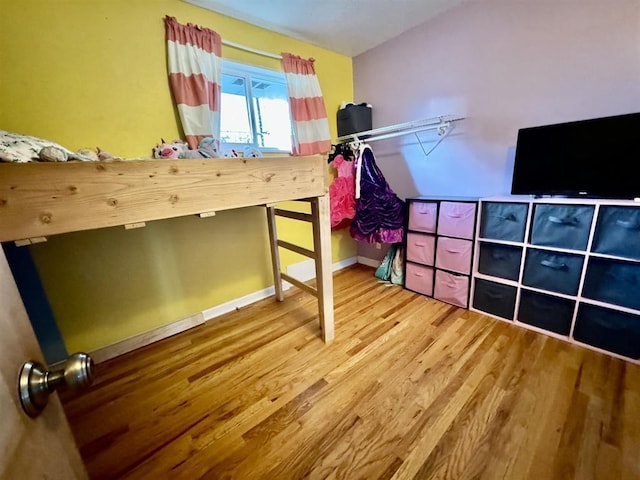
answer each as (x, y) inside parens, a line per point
(169, 150)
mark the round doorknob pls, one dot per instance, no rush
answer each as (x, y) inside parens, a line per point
(36, 383)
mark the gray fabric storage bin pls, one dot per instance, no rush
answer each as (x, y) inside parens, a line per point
(553, 271)
(563, 226)
(494, 298)
(613, 281)
(614, 331)
(353, 119)
(503, 221)
(546, 311)
(618, 232)
(500, 260)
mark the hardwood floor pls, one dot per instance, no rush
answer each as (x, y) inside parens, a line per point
(410, 388)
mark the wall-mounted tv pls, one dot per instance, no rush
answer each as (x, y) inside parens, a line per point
(597, 158)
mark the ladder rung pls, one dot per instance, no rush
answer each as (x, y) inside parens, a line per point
(305, 217)
(299, 284)
(295, 248)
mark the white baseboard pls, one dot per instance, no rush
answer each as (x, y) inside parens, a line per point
(306, 270)
(301, 271)
(347, 262)
(146, 338)
(370, 262)
(231, 305)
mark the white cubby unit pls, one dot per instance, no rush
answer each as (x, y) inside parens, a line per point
(439, 241)
(565, 267)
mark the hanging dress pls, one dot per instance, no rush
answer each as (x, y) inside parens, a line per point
(379, 214)
(342, 193)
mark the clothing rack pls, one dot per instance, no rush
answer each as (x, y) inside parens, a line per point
(249, 49)
(444, 124)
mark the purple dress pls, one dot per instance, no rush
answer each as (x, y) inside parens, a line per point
(379, 214)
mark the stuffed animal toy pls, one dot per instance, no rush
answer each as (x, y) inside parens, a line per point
(57, 154)
(169, 150)
(251, 152)
(52, 154)
(102, 155)
(207, 148)
(89, 153)
(230, 154)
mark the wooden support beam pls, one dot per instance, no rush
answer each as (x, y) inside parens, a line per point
(275, 255)
(324, 272)
(40, 199)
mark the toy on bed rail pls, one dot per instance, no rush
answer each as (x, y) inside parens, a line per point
(207, 148)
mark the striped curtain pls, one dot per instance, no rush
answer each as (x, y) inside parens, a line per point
(308, 113)
(195, 76)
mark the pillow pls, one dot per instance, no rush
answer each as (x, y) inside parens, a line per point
(15, 147)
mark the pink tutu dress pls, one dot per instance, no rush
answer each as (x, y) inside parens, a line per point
(342, 193)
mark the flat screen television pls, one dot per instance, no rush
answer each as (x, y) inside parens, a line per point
(595, 158)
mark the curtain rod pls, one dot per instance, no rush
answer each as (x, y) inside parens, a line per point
(252, 50)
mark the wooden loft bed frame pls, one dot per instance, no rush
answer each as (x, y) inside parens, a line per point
(42, 199)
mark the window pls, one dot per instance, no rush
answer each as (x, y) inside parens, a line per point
(254, 110)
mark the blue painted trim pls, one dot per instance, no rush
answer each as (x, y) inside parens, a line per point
(36, 303)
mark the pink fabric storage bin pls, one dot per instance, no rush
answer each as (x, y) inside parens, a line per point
(456, 219)
(419, 279)
(421, 248)
(454, 254)
(451, 288)
(422, 216)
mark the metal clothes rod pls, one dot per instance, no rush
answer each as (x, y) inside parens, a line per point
(442, 124)
(252, 50)
(407, 131)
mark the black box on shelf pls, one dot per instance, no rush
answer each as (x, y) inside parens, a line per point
(354, 119)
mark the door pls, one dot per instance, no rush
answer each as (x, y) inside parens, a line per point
(30, 448)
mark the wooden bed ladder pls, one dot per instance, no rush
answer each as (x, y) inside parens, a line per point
(321, 254)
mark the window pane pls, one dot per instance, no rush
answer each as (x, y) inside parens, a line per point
(235, 126)
(271, 112)
(254, 109)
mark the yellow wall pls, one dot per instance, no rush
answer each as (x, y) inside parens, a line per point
(93, 73)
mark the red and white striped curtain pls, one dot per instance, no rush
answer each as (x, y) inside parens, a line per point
(308, 113)
(195, 76)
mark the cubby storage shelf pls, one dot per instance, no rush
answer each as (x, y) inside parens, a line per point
(569, 268)
(439, 245)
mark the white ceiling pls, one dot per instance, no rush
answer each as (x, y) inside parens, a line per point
(349, 27)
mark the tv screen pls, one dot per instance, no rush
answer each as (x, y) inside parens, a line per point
(597, 158)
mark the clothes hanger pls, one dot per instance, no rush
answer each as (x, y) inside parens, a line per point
(341, 149)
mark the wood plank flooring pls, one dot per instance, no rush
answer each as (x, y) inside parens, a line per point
(410, 388)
